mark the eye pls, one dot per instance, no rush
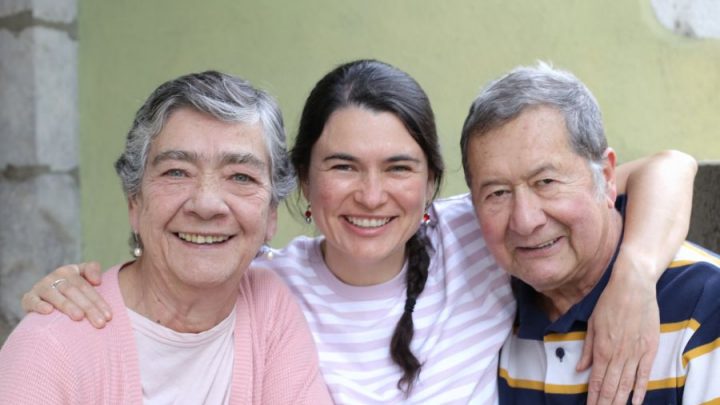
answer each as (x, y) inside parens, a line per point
(175, 173)
(342, 167)
(545, 182)
(400, 168)
(242, 178)
(497, 194)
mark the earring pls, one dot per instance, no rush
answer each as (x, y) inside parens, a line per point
(308, 215)
(426, 218)
(265, 252)
(137, 250)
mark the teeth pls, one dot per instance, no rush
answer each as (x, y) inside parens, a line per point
(368, 222)
(544, 245)
(202, 239)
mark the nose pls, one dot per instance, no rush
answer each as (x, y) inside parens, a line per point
(207, 200)
(527, 212)
(371, 190)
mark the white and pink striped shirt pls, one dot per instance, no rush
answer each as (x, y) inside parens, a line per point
(461, 319)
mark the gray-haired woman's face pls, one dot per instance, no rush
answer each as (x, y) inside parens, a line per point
(204, 206)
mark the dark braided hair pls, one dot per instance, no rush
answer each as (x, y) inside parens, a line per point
(380, 87)
(417, 274)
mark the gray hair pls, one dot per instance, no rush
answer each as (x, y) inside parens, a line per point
(225, 97)
(507, 97)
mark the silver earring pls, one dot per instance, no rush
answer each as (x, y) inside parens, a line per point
(265, 252)
(137, 250)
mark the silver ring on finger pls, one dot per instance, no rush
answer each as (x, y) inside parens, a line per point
(56, 283)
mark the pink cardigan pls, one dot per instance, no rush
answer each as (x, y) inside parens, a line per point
(50, 359)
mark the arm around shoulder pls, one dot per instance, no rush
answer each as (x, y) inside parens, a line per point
(659, 189)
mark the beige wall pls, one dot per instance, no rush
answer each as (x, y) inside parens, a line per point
(657, 89)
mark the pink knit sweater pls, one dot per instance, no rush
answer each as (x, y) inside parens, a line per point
(50, 359)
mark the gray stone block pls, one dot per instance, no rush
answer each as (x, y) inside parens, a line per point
(10, 7)
(62, 11)
(41, 230)
(705, 219)
(38, 92)
(17, 99)
(56, 120)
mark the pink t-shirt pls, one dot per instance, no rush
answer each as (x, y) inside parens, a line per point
(191, 368)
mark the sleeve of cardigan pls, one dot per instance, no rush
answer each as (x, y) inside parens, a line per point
(292, 374)
(35, 368)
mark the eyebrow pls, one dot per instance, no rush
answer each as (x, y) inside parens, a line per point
(192, 157)
(391, 159)
(242, 159)
(535, 172)
(181, 155)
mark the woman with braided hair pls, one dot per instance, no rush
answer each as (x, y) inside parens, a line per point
(403, 299)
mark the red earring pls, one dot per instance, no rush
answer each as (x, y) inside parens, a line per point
(426, 218)
(308, 215)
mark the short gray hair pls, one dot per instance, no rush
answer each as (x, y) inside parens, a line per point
(224, 97)
(507, 97)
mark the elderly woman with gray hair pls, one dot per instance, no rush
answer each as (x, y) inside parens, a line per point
(203, 170)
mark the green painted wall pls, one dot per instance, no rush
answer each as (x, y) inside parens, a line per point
(657, 90)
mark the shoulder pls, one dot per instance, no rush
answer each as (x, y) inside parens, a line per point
(259, 278)
(458, 204)
(299, 250)
(691, 285)
(295, 263)
(58, 327)
(454, 212)
(453, 221)
(264, 291)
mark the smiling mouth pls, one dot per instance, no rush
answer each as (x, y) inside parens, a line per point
(199, 239)
(540, 246)
(368, 222)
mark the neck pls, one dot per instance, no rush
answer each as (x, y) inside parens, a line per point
(358, 272)
(558, 301)
(173, 305)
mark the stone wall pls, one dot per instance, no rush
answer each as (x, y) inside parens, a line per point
(705, 220)
(39, 190)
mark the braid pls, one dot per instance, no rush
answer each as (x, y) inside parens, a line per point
(417, 274)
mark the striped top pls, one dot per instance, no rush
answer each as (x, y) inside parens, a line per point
(461, 318)
(537, 363)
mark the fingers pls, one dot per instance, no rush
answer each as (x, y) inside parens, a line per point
(77, 299)
(91, 271)
(586, 357)
(597, 375)
(615, 374)
(70, 290)
(626, 381)
(32, 303)
(54, 294)
(643, 374)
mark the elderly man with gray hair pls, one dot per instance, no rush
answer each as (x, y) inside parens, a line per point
(542, 180)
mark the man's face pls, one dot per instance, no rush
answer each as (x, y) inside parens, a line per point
(540, 211)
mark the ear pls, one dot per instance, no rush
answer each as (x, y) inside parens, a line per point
(305, 188)
(609, 161)
(271, 224)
